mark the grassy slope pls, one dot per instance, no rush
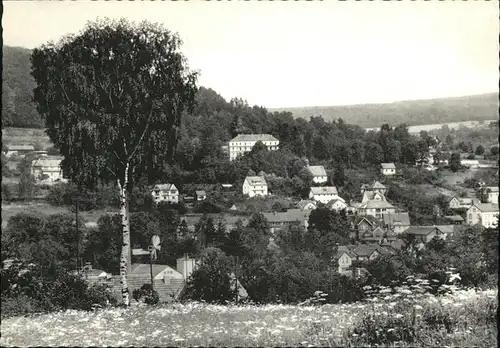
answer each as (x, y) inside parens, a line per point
(25, 136)
(414, 112)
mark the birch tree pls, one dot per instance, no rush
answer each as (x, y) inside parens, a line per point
(111, 98)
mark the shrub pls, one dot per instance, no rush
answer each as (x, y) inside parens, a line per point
(384, 329)
(147, 294)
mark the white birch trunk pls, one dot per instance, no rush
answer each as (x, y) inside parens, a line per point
(125, 259)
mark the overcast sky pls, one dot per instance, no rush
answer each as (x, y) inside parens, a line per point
(283, 54)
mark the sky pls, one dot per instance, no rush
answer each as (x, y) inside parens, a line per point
(291, 54)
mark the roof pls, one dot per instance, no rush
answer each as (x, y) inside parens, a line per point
(317, 170)
(420, 230)
(255, 180)
(324, 190)
(377, 185)
(304, 203)
(20, 147)
(163, 187)
(396, 218)
(144, 268)
(201, 193)
(373, 204)
(454, 218)
(487, 207)
(361, 250)
(288, 216)
(47, 162)
(253, 137)
(388, 165)
(369, 218)
(339, 199)
(466, 161)
(462, 200)
(446, 228)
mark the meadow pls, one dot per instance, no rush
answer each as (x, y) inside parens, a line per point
(400, 319)
(46, 209)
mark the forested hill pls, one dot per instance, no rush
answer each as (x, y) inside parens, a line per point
(18, 109)
(413, 112)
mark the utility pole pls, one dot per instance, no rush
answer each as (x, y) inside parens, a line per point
(236, 279)
(77, 239)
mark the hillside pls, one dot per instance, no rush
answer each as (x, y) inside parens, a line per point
(414, 112)
(18, 109)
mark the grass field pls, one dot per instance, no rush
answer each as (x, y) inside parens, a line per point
(470, 322)
(45, 209)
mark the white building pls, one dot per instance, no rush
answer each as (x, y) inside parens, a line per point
(470, 163)
(388, 169)
(244, 143)
(165, 193)
(486, 214)
(375, 204)
(255, 186)
(47, 170)
(318, 173)
(492, 194)
(324, 194)
(460, 202)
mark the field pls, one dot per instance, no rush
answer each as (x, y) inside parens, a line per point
(471, 321)
(46, 209)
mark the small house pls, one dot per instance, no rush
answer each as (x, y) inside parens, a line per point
(255, 186)
(348, 254)
(47, 170)
(306, 205)
(337, 204)
(455, 219)
(492, 194)
(396, 222)
(318, 173)
(425, 234)
(388, 169)
(292, 217)
(165, 193)
(460, 203)
(200, 195)
(323, 194)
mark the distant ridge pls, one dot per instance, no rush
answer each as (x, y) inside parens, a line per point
(412, 112)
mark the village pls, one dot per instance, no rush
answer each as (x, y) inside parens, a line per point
(377, 226)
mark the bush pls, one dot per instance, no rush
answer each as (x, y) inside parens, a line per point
(376, 330)
(147, 294)
(24, 291)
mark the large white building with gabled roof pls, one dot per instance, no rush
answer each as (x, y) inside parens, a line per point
(255, 186)
(244, 143)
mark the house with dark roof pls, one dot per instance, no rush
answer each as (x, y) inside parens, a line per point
(396, 222)
(200, 195)
(292, 217)
(425, 234)
(455, 219)
(388, 169)
(347, 255)
(244, 143)
(165, 193)
(318, 173)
